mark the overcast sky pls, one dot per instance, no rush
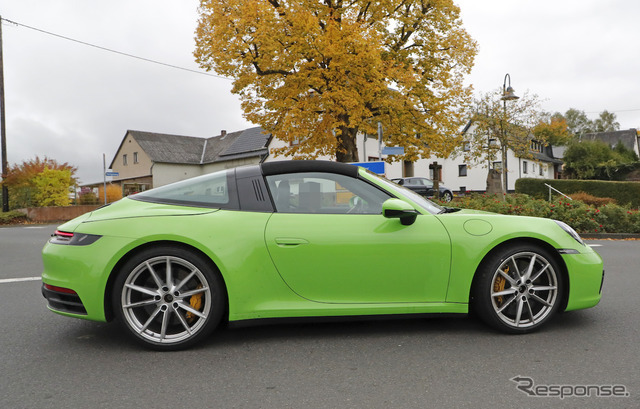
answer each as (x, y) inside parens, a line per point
(73, 103)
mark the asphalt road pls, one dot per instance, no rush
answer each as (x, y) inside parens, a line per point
(49, 361)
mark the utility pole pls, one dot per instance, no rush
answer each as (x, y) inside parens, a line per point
(3, 131)
(104, 176)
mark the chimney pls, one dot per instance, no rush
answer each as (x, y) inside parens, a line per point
(223, 133)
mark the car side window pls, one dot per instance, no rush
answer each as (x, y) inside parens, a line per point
(428, 183)
(324, 193)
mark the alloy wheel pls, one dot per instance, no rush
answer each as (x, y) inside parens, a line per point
(524, 290)
(166, 300)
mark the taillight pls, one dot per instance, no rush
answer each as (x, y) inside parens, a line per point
(73, 239)
(62, 236)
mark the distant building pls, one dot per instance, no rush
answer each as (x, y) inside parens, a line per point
(145, 159)
(630, 138)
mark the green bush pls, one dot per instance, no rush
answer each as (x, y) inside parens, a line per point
(13, 217)
(584, 218)
(624, 193)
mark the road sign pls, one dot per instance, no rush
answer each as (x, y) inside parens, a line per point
(112, 174)
(393, 150)
(375, 167)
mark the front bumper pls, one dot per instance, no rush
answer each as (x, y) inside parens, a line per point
(586, 278)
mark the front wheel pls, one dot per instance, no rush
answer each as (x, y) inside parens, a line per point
(168, 298)
(519, 289)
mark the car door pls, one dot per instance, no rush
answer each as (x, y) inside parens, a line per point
(416, 185)
(428, 184)
(330, 243)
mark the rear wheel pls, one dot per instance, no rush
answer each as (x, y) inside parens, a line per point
(447, 196)
(519, 289)
(169, 298)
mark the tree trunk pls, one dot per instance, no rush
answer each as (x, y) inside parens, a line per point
(347, 150)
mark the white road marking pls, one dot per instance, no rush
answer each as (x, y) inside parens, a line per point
(18, 280)
(36, 227)
(594, 245)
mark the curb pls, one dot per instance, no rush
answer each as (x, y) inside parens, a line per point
(609, 236)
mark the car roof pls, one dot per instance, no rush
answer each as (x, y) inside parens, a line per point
(297, 166)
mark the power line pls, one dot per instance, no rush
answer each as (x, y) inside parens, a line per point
(113, 51)
(616, 111)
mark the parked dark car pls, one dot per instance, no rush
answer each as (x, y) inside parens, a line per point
(424, 187)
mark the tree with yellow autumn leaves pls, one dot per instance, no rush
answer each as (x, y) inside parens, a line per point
(319, 72)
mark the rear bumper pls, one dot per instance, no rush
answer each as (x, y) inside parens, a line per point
(62, 301)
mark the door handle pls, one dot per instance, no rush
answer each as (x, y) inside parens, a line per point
(290, 241)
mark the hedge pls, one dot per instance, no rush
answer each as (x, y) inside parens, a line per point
(624, 193)
(584, 218)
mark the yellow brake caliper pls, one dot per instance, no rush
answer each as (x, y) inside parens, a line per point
(196, 303)
(498, 285)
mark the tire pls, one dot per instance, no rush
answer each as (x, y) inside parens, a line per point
(519, 289)
(168, 298)
(447, 196)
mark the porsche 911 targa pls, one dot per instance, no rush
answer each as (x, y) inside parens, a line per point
(304, 240)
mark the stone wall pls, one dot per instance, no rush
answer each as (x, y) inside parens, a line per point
(56, 214)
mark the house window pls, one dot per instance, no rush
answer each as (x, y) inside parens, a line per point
(124, 160)
(540, 169)
(294, 142)
(462, 170)
(536, 146)
(467, 146)
(135, 157)
(497, 166)
(524, 166)
(533, 168)
(493, 142)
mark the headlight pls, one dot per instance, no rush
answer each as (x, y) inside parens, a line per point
(570, 231)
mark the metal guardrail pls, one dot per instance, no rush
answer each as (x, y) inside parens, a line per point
(556, 190)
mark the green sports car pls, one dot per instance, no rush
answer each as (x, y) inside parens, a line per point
(303, 240)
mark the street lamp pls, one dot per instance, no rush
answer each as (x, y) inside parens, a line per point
(508, 94)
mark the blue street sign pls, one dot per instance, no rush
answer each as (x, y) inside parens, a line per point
(375, 167)
(112, 174)
(393, 150)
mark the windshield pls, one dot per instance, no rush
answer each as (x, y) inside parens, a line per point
(423, 202)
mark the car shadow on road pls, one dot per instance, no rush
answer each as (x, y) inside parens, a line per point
(113, 336)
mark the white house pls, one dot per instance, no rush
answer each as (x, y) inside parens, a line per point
(456, 174)
(146, 159)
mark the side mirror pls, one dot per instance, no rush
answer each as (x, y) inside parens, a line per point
(396, 208)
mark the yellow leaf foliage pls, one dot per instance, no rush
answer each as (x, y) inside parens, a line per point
(319, 72)
(554, 130)
(114, 193)
(52, 187)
